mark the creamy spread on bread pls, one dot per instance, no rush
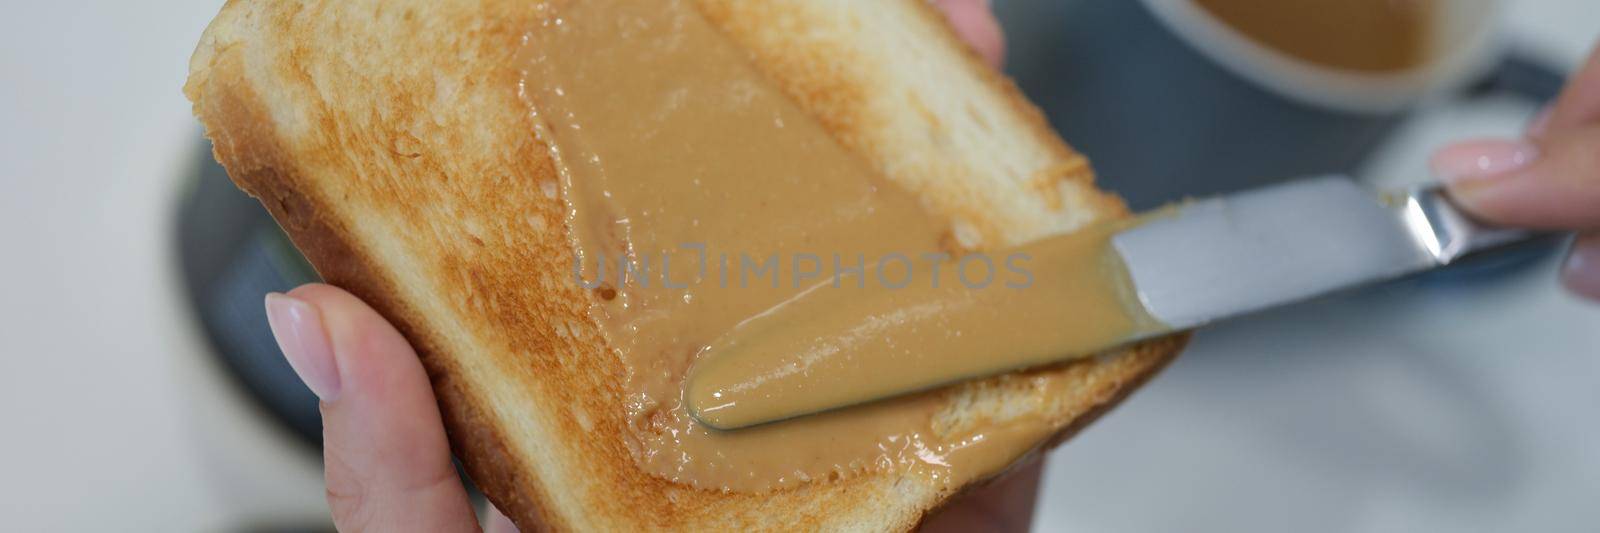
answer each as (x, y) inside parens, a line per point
(900, 328)
(701, 196)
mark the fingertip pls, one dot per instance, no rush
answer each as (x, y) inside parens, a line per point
(1476, 173)
(386, 454)
(387, 396)
(368, 348)
(497, 522)
(319, 293)
(1580, 273)
(976, 24)
(1482, 161)
(1551, 185)
(300, 332)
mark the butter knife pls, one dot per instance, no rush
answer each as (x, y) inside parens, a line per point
(1190, 265)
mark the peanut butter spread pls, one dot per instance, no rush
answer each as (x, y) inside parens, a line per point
(912, 330)
(700, 197)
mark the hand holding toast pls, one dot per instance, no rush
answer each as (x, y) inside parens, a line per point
(385, 456)
(1550, 179)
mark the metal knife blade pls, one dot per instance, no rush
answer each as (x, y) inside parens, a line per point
(1188, 265)
(1223, 257)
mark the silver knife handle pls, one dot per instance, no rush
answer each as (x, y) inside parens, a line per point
(1446, 231)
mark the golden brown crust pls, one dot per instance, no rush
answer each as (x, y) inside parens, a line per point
(246, 141)
(385, 138)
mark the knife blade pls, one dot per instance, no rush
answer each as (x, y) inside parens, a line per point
(1188, 265)
(1228, 256)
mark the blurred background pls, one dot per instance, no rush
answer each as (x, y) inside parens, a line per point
(140, 391)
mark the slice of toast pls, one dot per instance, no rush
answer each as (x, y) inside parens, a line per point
(388, 138)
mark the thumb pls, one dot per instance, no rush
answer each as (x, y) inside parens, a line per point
(387, 459)
(1552, 183)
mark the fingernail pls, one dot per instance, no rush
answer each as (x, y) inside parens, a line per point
(1581, 272)
(1482, 160)
(298, 328)
(1540, 122)
(498, 522)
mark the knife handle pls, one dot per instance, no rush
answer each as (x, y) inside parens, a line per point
(1447, 232)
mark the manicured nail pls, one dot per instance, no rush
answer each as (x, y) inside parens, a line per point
(1482, 160)
(498, 522)
(1581, 273)
(298, 328)
(1540, 122)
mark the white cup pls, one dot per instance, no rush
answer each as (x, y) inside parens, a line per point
(1464, 43)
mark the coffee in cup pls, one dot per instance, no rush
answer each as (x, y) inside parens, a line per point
(1376, 36)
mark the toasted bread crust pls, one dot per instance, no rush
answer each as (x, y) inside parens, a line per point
(388, 140)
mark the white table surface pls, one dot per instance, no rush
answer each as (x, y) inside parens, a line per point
(1422, 407)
